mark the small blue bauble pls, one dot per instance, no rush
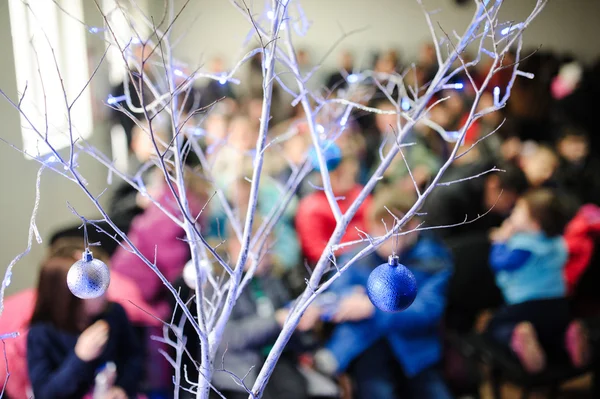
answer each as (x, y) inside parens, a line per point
(331, 152)
(391, 286)
(88, 278)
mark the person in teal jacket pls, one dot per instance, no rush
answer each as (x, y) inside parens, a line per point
(413, 336)
(285, 247)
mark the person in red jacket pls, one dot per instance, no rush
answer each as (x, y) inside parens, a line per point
(315, 222)
(580, 236)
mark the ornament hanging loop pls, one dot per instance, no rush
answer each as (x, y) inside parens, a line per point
(86, 242)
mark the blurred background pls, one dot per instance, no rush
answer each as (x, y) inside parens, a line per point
(214, 29)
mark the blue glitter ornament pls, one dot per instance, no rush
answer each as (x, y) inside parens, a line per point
(391, 286)
(331, 152)
(88, 278)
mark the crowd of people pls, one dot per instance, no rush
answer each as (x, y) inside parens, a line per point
(512, 227)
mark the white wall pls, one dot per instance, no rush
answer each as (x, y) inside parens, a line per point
(17, 179)
(565, 25)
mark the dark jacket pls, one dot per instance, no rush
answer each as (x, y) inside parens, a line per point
(56, 372)
(580, 179)
(249, 333)
(450, 205)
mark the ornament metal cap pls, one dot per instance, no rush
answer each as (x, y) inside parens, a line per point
(87, 255)
(393, 260)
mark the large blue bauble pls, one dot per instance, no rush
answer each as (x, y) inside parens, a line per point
(391, 286)
(331, 152)
(88, 278)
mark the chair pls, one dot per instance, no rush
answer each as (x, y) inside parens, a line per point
(472, 287)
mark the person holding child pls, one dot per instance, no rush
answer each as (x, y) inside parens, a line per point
(528, 257)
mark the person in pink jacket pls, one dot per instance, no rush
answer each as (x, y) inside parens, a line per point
(161, 240)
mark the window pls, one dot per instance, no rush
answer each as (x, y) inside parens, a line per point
(36, 31)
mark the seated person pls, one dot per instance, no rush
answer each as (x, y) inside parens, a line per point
(240, 146)
(286, 249)
(70, 338)
(414, 334)
(127, 202)
(528, 257)
(577, 172)
(160, 240)
(252, 329)
(539, 162)
(315, 221)
(492, 193)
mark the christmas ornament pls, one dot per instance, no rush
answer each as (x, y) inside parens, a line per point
(189, 272)
(88, 278)
(391, 286)
(331, 152)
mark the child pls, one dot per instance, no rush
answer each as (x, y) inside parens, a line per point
(412, 335)
(70, 338)
(539, 162)
(528, 256)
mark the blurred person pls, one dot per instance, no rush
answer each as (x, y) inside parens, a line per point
(337, 79)
(129, 118)
(291, 143)
(127, 201)
(215, 128)
(381, 350)
(427, 60)
(415, 77)
(385, 65)
(163, 242)
(71, 338)
(383, 125)
(159, 239)
(528, 256)
(315, 221)
(216, 89)
(539, 162)
(280, 107)
(306, 66)
(228, 160)
(579, 108)
(256, 320)
(422, 159)
(511, 148)
(531, 99)
(577, 172)
(492, 195)
(285, 250)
